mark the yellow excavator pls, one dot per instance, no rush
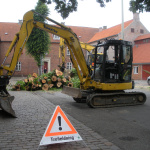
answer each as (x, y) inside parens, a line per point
(62, 49)
(103, 87)
(62, 53)
(86, 46)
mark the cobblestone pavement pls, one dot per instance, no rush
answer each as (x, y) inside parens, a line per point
(33, 114)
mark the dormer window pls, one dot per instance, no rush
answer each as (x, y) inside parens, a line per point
(55, 37)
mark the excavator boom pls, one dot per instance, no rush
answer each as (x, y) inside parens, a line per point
(18, 44)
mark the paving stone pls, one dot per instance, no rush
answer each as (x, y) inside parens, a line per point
(33, 114)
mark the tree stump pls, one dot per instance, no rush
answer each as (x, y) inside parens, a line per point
(59, 84)
(64, 80)
(43, 81)
(34, 75)
(58, 73)
(54, 78)
(70, 84)
(51, 85)
(45, 87)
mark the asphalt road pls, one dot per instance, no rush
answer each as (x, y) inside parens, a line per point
(127, 127)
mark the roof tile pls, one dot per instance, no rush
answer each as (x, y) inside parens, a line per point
(8, 30)
(141, 53)
(109, 32)
(141, 37)
(86, 33)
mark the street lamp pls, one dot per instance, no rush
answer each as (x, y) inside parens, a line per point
(122, 25)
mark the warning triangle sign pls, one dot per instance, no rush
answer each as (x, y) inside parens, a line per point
(59, 129)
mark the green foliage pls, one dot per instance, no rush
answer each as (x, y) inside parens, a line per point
(21, 83)
(65, 7)
(73, 72)
(139, 5)
(36, 80)
(76, 82)
(102, 2)
(39, 41)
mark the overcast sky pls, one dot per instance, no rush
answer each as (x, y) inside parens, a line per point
(89, 13)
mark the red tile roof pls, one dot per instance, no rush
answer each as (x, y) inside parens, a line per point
(84, 33)
(141, 53)
(11, 29)
(141, 37)
(8, 30)
(109, 32)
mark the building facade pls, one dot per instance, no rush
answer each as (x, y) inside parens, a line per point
(134, 31)
(26, 64)
(141, 59)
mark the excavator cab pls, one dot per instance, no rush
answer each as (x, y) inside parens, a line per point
(115, 65)
(91, 60)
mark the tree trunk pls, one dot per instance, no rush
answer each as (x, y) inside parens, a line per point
(45, 87)
(59, 84)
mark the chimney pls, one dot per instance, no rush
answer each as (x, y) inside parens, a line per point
(20, 22)
(136, 17)
(104, 27)
(100, 29)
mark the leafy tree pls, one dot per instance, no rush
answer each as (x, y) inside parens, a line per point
(65, 7)
(139, 5)
(39, 41)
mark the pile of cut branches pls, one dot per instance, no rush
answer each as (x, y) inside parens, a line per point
(54, 79)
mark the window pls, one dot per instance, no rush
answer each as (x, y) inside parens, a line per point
(141, 31)
(68, 52)
(135, 69)
(18, 66)
(132, 30)
(55, 37)
(145, 40)
(69, 65)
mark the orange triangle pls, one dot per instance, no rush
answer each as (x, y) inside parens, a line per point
(58, 110)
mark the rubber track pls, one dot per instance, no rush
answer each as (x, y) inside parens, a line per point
(105, 100)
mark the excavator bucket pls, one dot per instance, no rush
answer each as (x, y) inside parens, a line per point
(74, 92)
(5, 104)
(5, 98)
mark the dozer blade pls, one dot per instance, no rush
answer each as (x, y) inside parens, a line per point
(74, 92)
(5, 104)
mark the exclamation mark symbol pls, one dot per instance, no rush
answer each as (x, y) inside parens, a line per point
(59, 122)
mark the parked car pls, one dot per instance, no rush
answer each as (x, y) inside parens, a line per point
(148, 80)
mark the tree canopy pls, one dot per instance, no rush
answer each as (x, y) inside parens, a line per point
(139, 5)
(65, 7)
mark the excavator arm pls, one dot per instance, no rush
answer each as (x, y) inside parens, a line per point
(62, 49)
(62, 54)
(19, 42)
(66, 33)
